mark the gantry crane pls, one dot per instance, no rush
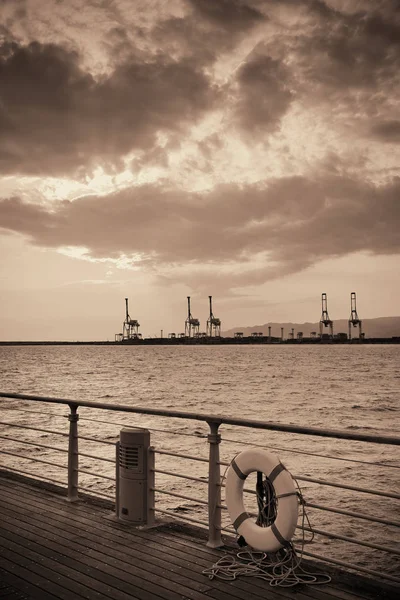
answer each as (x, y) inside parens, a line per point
(192, 325)
(130, 326)
(213, 323)
(325, 320)
(354, 320)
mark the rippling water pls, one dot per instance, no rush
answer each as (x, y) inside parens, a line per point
(353, 388)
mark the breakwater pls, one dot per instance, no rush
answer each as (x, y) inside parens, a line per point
(162, 341)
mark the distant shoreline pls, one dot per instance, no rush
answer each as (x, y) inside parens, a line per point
(244, 341)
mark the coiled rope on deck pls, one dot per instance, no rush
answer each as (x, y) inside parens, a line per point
(282, 568)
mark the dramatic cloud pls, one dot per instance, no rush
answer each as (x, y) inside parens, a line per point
(233, 141)
(291, 223)
(263, 94)
(387, 131)
(230, 15)
(57, 119)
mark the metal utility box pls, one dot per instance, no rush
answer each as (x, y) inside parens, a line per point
(132, 488)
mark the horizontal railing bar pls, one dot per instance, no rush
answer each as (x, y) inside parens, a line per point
(349, 513)
(181, 455)
(196, 500)
(345, 538)
(96, 474)
(183, 517)
(90, 439)
(219, 419)
(95, 493)
(40, 460)
(353, 460)
(348, 487)
(7, 437)
(180, 475)
(337, 485)
(33, 475)
(379, 574)
(97, 457)
(34, 428)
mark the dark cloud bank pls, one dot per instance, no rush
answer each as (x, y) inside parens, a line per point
(58, 119)
(296, 220)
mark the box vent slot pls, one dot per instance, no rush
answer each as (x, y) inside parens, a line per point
(129, 458)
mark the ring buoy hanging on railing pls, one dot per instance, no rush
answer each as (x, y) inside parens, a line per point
(279, 534)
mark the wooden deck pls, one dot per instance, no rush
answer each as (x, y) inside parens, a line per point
(50, 548)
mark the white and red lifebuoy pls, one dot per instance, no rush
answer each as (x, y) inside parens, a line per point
(279, 534)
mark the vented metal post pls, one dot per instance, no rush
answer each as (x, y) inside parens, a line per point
(132, 487)
(214, 487)
(73, 457)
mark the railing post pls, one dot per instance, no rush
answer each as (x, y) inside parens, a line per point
(151, 476)
(73, 457)
(214, 487)
(117, 480)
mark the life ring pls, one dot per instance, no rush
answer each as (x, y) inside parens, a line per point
(279, 534)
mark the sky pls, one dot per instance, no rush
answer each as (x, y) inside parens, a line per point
(244, 149)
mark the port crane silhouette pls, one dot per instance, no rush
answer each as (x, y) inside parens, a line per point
(354, 320)
(130, 326)
(213, 323)
(325, 320)
(192, 325)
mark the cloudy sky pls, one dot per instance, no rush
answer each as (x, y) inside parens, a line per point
(244, 149)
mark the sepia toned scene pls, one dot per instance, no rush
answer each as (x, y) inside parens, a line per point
(199, 283)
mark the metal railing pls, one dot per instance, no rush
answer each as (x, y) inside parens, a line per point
(214, 481)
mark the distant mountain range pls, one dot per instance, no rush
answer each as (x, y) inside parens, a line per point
(382, 327)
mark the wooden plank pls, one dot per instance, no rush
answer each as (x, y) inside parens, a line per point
(100, 539)
(30, 580)
(72, 581)
(110, 586)
(200, 577)
(264, 589)
(203, 578)
(173, 586)
(262, 585)
(247, 592)
(7, 591)
(196, 576)
(108, 569)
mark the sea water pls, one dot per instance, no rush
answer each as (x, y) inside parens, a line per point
(353, 388)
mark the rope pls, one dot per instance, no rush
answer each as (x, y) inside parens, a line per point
(280, 569)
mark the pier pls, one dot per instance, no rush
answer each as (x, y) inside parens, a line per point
(50, 548)
(61, 538)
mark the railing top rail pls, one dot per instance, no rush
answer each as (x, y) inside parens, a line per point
(219, 419)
